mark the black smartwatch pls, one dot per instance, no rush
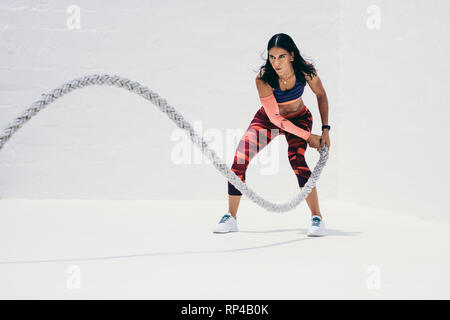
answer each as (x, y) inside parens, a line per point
(326, 127)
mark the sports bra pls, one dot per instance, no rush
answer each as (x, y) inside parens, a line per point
(288, 96)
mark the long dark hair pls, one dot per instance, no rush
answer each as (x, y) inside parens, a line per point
(282, 40)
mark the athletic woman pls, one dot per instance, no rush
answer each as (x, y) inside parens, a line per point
(280, 84)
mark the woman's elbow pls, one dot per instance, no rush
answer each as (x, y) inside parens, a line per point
(321, 94)
(275, 120)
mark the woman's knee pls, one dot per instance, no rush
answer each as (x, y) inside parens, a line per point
(239, 169)
(303, 177)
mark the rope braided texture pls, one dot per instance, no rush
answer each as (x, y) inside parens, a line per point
(178, 119)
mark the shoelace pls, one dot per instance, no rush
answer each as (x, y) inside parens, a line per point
(316, 222)
(225, 218)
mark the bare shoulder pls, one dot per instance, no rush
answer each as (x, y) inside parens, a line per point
(264, 89)
(315, 83)
(311, 76)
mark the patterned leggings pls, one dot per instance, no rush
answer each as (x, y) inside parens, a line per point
(259, 134)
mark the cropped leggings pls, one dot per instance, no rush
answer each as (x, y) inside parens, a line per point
(259, 134)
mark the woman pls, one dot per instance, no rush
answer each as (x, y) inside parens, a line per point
(280, 83)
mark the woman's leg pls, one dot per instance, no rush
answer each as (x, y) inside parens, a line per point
(296, 153)
(258, 135)
(233, 204)
(313, 202)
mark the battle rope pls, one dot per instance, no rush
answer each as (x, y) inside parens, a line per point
(179, 120)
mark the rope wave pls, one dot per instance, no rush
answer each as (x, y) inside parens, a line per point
(178, 119)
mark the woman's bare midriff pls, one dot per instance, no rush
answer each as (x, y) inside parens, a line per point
(290, 108)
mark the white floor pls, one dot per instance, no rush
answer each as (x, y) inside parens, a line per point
(69, 249)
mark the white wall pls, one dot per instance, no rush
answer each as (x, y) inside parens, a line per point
(104, 142)
(393, 106)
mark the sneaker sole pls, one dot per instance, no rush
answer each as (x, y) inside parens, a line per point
(225, 231)
(315, 235)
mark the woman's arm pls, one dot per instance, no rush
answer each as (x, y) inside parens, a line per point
(271, 107)
(316, 86)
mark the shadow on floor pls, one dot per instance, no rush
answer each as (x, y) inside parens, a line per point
(330, 232)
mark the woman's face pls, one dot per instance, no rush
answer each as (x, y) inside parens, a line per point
(281, 60)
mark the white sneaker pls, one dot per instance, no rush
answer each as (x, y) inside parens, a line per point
(317, 228)
(226, 224)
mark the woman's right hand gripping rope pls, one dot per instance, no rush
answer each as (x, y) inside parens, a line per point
(314, 141)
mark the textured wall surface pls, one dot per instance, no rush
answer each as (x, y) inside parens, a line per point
(382, 64)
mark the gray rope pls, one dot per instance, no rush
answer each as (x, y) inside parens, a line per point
(178, 119)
